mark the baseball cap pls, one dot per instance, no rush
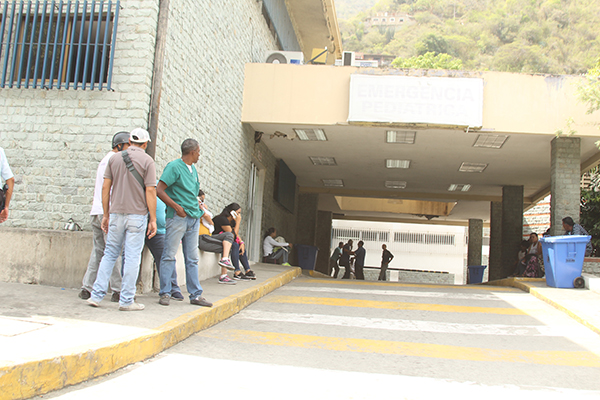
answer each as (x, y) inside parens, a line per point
(120, 138)
(139, 135)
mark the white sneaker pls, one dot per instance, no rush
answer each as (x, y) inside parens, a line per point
(132, 307)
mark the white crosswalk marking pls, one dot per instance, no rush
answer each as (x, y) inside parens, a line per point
(415, 325)
(407, 293)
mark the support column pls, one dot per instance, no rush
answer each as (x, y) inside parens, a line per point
(495, 259)
(475, 242)
(306, 223)
(512, 228)
(565, 176)
(324, 219)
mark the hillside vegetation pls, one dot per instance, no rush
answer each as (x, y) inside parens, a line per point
(532, 36)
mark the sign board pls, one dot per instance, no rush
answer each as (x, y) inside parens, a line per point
(418, 100)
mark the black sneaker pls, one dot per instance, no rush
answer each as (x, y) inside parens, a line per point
(241, 277)
(201, 301)
(116, 296)
(84, 294)
(250, 274)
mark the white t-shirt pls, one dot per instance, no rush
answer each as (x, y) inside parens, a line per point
(97, 203)
(5, 171)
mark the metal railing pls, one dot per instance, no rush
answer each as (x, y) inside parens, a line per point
(58, 44)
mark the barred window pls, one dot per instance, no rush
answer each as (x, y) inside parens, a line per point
(58, 44)
(424, 238)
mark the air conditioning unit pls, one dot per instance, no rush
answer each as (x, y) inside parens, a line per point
(285, 57)
(348, 58)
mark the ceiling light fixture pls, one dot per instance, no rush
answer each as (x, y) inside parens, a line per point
(472, 167)
(401, 137)
(395, 184)
(397, 164)
(490, 141)
(311, 134)
(463, 187)
(333, 182)
(323, 161)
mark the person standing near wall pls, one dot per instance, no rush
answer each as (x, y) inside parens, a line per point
(345, 259)
(359, 261)
(178, 189)
(334, 260)
(128, 196)
(386, 257)
(8, 187)
(120, 141)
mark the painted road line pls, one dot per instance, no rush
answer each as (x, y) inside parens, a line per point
(407, 293)
(415, 326)
(486, 288)
(427, 350)
(390, 305)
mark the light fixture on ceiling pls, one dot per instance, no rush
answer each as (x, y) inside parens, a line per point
(333, 182)
(490, 141)
(472, 167)
(323, 161)
(401, 137)
(311, 134)
(397, 164)
(463, 187)
(395, 184)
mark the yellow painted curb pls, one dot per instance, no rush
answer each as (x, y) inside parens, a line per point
(522, 283)
(42, 376)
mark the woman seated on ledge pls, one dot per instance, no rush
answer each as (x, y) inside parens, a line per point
(269, 245)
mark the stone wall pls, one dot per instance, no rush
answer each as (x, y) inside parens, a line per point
(55, 138)
(411, 276)
(591, 265)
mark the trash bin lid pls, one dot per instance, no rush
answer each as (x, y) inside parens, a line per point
(566, 239)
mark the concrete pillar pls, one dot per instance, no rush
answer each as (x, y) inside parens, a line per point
(495, 259)
(475, 242)
(565, 175)
(323, 236)
(306, 223)
(512, 228)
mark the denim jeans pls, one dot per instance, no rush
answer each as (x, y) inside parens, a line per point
(281, 253)
(236, 257)
(126, 232)
(156, 245)
(185, 231)
(99, 242)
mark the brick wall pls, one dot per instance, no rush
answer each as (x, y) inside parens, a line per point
(537, 218)
(54, 139)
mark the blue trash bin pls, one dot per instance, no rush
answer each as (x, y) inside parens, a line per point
(476, 273)
(563, 259)
(307, 256)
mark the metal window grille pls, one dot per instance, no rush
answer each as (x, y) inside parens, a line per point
(57, 44)
(424, 238)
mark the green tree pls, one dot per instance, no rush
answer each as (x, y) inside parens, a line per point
(429, 61)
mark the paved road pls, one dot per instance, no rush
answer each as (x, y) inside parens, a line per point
(347, 339)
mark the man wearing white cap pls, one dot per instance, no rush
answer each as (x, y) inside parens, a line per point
(132, 177)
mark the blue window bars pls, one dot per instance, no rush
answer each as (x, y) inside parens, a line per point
(57, 44)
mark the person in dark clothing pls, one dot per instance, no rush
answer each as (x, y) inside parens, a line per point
(333, 260)
(386, 257)
(345, 259)
(359, 261)
(571, 228)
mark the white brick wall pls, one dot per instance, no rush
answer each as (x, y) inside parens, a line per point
(54, 139)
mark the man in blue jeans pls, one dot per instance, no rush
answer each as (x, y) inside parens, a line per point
(128, 196)
(178, 189)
